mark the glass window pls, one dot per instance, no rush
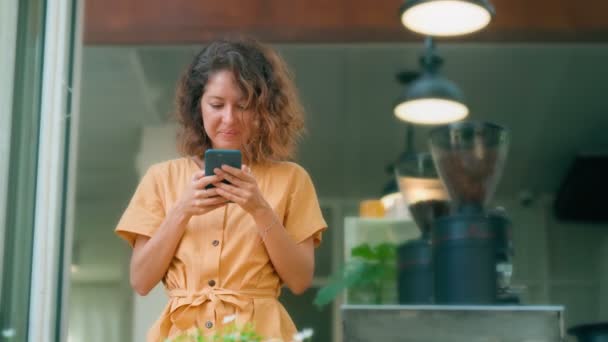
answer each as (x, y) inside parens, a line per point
(19, 163)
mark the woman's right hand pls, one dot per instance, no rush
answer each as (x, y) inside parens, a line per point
(196, 200)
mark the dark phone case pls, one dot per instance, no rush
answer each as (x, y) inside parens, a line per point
(215, 158)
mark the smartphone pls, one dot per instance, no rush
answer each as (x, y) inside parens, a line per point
(215, 158)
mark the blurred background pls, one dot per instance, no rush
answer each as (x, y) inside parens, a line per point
(539, 69)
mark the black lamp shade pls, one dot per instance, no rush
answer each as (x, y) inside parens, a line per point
(434, 86)
(432, 99)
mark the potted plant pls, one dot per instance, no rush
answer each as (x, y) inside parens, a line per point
(369, 276)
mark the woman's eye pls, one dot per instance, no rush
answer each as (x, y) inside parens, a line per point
(216, 105)
(242, 107)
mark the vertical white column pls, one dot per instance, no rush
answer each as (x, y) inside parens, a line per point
(52, 164)
(71, 165)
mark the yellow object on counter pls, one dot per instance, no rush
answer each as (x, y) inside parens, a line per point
(371, 208)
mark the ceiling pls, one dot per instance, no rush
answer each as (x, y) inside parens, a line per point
(196, 21)
(551, 97)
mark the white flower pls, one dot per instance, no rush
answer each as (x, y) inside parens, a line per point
(302, 335)
(229, 319)
(307, 333)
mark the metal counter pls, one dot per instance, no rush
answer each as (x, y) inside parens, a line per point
(452, 323)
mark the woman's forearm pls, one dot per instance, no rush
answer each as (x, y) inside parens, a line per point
(293, 262)
(152, 256)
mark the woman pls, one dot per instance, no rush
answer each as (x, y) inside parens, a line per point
(227, 250)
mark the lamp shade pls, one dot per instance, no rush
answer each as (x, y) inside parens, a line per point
(393, 202)
(446, 17)
(422, 190)
(390, 193)
(431, 100)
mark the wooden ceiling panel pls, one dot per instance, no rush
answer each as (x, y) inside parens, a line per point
(299, 21)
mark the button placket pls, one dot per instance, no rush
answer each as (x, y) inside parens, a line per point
(213, 236)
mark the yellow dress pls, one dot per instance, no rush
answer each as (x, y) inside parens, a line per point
(221, 266)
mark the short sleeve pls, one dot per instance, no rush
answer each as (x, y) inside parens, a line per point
(303, 217)
(145, 212)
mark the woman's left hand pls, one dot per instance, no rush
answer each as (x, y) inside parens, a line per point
(242, 190)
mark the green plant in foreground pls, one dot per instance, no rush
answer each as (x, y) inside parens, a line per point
(370, 269)
(234, 333)
(230, 333)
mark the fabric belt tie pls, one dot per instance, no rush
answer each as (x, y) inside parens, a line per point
(183, 312)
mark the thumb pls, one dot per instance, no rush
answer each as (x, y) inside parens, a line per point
(198, 175)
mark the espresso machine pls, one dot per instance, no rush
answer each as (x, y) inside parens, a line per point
(427, 200)
(471, 245)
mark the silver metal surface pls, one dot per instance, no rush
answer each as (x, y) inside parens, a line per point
(454, 323)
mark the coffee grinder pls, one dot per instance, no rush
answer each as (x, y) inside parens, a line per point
(469, 157)
(427, 200)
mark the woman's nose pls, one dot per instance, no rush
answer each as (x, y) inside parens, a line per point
(229, 114)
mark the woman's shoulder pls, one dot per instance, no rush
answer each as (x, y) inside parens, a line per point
(288, 168)
(171, 166)
(288, 173)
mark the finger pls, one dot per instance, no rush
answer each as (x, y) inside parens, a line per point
(205, 193)
(211, 201)
(232, 189)
(236, 172)
(203, 210)
(232, 179)
(230, 196)
(204, 181)
(248, 175)
(217, 200)
(211, 179)
(198, 175)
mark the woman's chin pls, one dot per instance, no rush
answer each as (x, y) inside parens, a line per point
(227, 146)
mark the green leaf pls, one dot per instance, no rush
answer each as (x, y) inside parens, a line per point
(363, 251)
(353, 274)
(385, 251)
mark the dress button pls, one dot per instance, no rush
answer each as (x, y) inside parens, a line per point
(208, 325)
(211, 282)
(215, 243)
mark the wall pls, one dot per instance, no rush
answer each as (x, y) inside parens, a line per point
(530, 242)
(157, 144)
(576, 259)
(146, 311)
(97, 312)
(562, 263)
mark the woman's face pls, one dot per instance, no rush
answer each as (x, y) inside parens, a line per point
(226, 120)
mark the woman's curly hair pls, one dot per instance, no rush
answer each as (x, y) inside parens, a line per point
(268, 87)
